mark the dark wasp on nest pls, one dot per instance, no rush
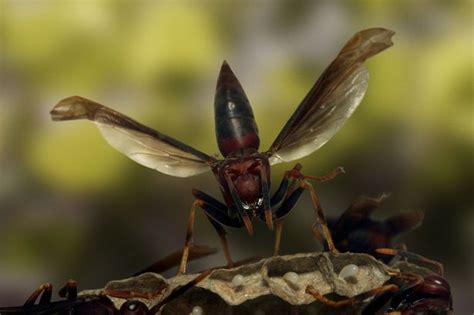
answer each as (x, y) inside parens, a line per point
(356, 231)
(426, 292)
(100, 303)
(406, 293)
(244, 177)
(244, 173)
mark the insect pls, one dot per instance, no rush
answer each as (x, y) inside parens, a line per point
(101, 304)
(355, 231)
(427, 294)
(412, 290)
(91, 304)
(244, 172)
(430, 294)
(72, 303)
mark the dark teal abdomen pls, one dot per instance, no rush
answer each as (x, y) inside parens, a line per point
(235, 124)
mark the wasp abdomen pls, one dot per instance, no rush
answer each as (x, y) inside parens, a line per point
(234, 120)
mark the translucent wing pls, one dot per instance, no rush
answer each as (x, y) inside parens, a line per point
(144, 145)
(332, 99)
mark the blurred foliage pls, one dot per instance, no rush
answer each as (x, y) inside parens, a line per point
(70, 206)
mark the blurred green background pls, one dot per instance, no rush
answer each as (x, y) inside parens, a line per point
(72, 207)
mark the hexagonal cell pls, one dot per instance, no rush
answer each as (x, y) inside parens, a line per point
(275, 284)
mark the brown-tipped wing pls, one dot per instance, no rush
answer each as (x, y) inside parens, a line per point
(144, 145)
(332, 99)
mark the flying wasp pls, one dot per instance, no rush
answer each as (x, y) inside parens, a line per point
(244, 172)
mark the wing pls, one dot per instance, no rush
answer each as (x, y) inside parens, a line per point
(360, 210)
(144, 145)
(332, 99)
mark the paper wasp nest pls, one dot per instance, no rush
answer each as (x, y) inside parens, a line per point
(272, 284)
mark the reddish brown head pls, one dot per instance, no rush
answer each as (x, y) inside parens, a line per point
(248, 187)
(240, 176)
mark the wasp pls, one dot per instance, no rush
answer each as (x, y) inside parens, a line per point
(149, 287)
(243, 173)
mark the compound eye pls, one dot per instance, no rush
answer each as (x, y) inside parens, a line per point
(133, 308)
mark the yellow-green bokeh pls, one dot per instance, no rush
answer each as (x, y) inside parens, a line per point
(71, 206)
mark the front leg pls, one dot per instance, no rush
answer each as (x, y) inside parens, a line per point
(287, 205)
(320, 218)
(284, 189)
(265, 186)
(216, 212)
(238, 204)
(289, 192)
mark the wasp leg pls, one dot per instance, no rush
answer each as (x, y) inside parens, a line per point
(239, 205)
(353, 300)
(394, 298)
(397, 259)
(320, 215)
(412, 256)
(290, 193)
(317, 234)
(189, 236)
(266, 196)
(377, 303)
(287, 205)
(321, 179)
(295, 173)
(174, 259)
(412, 281)
(216, 212)
(278, 229)
(45, 290)
(69, 290)
(179, 291)
(285, 189)
(222, 235)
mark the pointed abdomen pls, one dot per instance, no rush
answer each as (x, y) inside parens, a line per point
(236, 128)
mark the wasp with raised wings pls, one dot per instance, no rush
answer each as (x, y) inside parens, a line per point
(244, 172)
